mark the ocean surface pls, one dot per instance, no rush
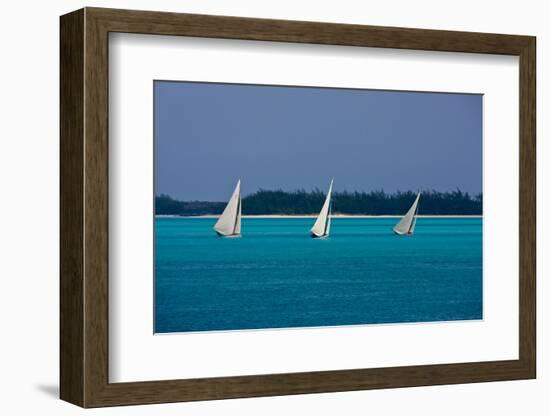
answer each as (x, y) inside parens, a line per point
(276, 276)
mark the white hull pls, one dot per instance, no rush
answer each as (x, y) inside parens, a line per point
(400, 233)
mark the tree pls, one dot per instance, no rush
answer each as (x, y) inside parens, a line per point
(301, 202)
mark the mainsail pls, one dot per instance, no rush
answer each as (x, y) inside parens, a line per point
(408, 222)
(229, 223)
(321, 228)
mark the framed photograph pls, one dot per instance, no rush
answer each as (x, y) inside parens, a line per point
(257, 207)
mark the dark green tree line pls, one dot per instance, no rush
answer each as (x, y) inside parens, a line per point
(302, 202)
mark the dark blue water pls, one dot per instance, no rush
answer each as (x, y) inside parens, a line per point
(276, 276)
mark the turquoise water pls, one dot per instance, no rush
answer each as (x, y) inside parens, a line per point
(276, 276)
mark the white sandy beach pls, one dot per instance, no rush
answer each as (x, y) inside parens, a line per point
(315, 216)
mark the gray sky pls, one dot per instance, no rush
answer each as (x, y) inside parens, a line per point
(209, 135)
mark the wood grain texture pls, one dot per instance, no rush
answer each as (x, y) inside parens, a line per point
(527, 207)
(96, 208)
(162, 23)
(84, 207)
(72, 215)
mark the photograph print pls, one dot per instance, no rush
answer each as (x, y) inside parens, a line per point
(307, 207)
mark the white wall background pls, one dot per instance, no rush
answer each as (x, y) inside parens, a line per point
(29, 159)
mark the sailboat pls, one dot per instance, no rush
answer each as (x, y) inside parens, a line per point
(408, 222)
(321, 228)
(229, 223)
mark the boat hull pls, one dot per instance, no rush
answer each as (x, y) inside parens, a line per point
(405, 234)
(318, 237)
(228, 236)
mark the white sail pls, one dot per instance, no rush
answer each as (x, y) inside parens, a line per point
(229, 223)
(321, 228)
(408, 222)
(411, 230)
(238, 222)
(327, 231)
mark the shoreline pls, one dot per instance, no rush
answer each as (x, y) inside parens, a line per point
(334, 216)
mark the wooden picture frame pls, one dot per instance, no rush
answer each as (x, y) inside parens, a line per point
(84, 207)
